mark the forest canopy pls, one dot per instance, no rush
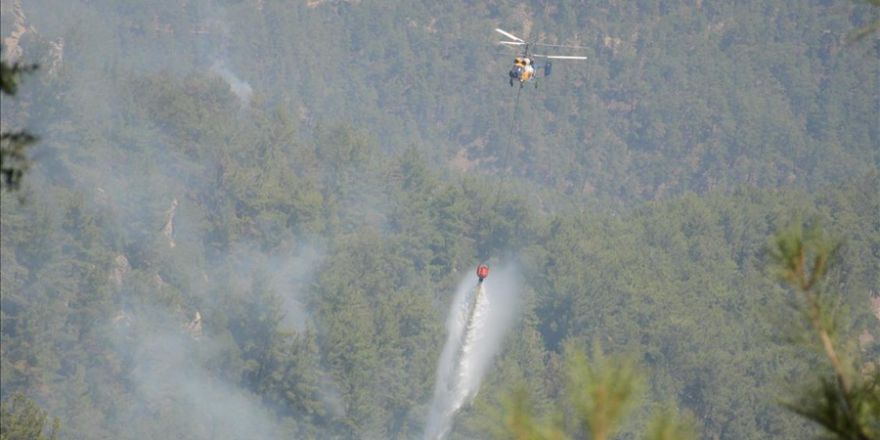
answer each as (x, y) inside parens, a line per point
(248, 219)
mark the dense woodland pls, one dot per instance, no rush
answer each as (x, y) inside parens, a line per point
(247, 218)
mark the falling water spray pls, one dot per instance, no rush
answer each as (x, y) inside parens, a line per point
(479, 316)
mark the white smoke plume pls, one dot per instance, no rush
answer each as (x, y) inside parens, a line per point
(241, 88)
(288, 272)
(172, 385)
(479, 317)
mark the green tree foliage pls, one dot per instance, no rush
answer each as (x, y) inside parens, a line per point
(13, 161)
(668, 424)
(600, 392)
(22, 419)
(520, 422)
(845, 402)
(870, 28)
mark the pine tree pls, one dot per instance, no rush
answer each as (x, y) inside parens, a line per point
(22, 419)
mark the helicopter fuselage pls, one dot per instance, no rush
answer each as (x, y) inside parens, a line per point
(523, 70)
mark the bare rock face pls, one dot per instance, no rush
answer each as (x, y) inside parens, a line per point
(11, 47)
(56, 54)
(875, 303)
(121, 268)
(168, 228)
(194, 328)
(866, 338)
(122, 319)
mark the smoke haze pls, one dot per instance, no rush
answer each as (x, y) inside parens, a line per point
(176, 386)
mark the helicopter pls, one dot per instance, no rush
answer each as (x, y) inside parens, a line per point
(525, 66)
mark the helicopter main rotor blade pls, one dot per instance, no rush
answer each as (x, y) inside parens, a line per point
(509, 35)
(560, 45)
(559, 57)
(512, 43)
